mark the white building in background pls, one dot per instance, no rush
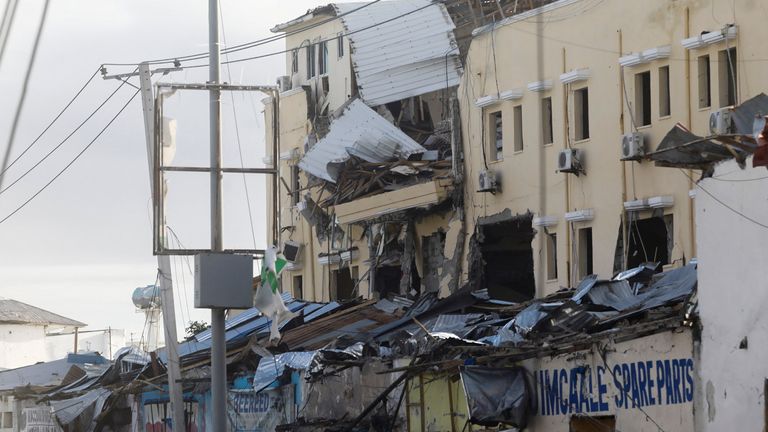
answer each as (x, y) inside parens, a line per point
(104, 341)
(732, 237)
(23, 333)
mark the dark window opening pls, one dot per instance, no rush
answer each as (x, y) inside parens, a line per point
(295, 186)
(643, 98)
(517, 117)
(322, 53)
(704, 82)
(547, 134)
(665, 106)
(310, 61)
(649, 240)
(497, 136)
(551, 256)
(340, 45)
(581, 113)
(294, 61)
(342, 287)
(586, 259)
(298, 287)
(582, 423)
(508, 260)
(727, 77)
(432, 260)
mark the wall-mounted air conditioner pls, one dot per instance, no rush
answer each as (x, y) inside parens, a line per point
(488, 181)
(632, 146)
(284, 83)
(720, 121)
(570, 161)
(292, 251)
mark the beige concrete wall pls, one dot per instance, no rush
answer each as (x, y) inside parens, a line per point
(582, 34)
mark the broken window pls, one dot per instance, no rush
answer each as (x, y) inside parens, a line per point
(726, 62)
(546, 121)
(322, 57)
(310, 61)
(295, 185)
(508, 259)
(585, 253)
(583, 423)
(581, 113)
(517, 124)
(704, 82)
(342, 287)
(294, 60)
(643, 98)
(432, 258)
(497, 137)
(649, 240)
(665, 106)
(551, 256)
(340, 45)
(298, 287)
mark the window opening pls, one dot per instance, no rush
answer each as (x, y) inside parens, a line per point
(581, 113)
(517, 118)
(586, 267)
(727, 74)
(665, 106)
(704, 82)
(643, 98)
(546, 121)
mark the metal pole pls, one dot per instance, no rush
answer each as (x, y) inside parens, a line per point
(163, 261)
(218, 344)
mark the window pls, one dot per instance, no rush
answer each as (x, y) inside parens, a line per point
(497, 137)
(322, 61)
(298, 287)
(342, 287)
(294, 61)
(517, 124)
(295, 186)
(310, 61)
(665, 107)
(643, 98)
(581, 113)
(727, 82)
(551, 256)
(7, 419)
(704, 97)
(585, 252)
(650, 240)
(340, 45)
(546, 121)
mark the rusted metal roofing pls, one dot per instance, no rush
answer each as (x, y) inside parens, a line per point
(361, 132)
(401, 48)
(16, 312)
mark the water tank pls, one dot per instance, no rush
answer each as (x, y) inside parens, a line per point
(146, 297)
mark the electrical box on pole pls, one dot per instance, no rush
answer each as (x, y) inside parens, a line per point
(223, 281)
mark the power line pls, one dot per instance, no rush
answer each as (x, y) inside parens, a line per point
(5, 26)
(248, 45)
(53, 150)
(758, 223)
(24, 204)
(24, 88)
(55, 119)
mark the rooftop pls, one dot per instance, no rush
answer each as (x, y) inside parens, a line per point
(16, 312)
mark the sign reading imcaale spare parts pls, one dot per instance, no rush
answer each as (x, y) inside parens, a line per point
(629, 385)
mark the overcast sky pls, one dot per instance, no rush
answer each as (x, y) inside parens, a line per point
(82, 246)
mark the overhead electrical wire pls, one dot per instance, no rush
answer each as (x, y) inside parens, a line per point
(24, 88)
(53, 150)
(66, 167)
(6, 24)
(55, 119)
(247, 45)
(754, 221)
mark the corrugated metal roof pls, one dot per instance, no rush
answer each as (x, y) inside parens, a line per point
(361, 132)
(413, 54)
(16, 312)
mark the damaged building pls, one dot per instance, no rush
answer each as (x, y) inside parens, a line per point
(369, 196)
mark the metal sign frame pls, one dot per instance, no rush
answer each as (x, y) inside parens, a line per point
(160, 168)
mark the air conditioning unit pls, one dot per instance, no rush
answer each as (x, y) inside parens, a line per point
(632, 146)
(488, 181)
(570, 161)
(284, 83)
(292, 251)
(720, 121)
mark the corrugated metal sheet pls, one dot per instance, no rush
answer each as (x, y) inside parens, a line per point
(410, 55)
(16, 312)
(361, 132)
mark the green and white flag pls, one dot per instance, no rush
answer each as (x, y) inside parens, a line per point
(268, 300)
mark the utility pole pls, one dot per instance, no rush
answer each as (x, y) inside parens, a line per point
(163, 261)
(218, 345)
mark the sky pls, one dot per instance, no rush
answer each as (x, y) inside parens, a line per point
(81, 247)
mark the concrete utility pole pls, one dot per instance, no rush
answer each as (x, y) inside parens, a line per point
(218, 346)
(163, 261)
